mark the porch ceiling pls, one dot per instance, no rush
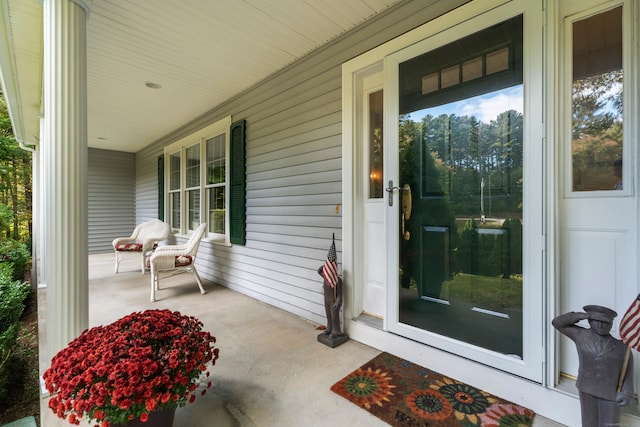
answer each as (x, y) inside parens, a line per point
(200, 53)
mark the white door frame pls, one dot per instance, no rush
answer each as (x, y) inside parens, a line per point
(437, 33)
(354, 232)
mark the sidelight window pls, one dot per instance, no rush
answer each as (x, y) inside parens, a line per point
(596, 131)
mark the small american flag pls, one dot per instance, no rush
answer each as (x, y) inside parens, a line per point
(630, 325)
(330, 268)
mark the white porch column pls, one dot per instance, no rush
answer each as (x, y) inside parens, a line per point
(64, 172)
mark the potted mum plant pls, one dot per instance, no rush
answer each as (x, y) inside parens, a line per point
(138, 369)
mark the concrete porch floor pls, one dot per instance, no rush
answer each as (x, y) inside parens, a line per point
(271, 370)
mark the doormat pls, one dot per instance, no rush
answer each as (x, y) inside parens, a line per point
(407, 395)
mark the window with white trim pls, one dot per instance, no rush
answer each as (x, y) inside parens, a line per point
(197, 174)
(216, 184)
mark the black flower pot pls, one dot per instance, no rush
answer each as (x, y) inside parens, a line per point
(162, 418)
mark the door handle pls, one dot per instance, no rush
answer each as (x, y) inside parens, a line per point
(390, 189)
(406, 201)
(406, 204)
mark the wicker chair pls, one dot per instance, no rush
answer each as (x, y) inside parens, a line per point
(143, 240)
(176, 259)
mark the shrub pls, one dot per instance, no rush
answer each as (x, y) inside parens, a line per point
(12, 296)
(17, 255)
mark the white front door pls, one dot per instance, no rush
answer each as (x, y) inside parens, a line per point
(597, 197)
(372, 145)
(365, 191)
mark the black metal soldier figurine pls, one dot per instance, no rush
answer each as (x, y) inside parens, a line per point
(601, 358)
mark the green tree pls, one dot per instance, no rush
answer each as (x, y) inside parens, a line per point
(15, 179)
(596, 130)
(597, 103)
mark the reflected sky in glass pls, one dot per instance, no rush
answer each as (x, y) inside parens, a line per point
(484, 107)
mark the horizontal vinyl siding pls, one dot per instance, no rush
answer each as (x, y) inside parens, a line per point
(294, 169)
(147, 187)
(111, 201)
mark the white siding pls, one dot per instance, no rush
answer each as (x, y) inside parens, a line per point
(111, 197)
(294, 176)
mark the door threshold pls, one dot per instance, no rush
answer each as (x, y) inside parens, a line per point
(369, 320)
(567, 384)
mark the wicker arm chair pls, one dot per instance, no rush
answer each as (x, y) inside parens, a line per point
(143, 240)
(176, 259)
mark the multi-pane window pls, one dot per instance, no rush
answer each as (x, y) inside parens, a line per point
(197, 178)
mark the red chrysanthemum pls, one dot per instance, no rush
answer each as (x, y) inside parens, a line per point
(143, 362)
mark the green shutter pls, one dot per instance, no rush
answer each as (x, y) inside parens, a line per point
(161, 188)
(237, 205)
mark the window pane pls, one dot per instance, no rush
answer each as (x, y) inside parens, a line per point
(193, 209)
(472, 69)
(216, 159)
(450, 76)
(375, 145)
(498, 60)
(174, 200)
(193, 166)
(597, 102)
(217, 210)
(174, 172)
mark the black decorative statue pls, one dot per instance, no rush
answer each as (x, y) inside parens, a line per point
(603, 386)
(332, 335)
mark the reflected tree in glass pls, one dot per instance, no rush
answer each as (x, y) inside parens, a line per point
(597, 112)
(597, 132)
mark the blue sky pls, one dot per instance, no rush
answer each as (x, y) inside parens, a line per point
(485, 107)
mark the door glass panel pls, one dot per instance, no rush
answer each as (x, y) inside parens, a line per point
(375, 144)
(461, 154)
(597, 102)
